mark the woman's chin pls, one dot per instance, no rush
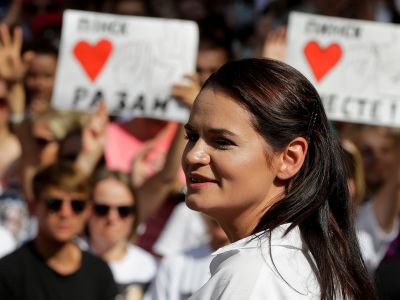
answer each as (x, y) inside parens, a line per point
(194, 203)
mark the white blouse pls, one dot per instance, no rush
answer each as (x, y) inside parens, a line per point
(250, 269)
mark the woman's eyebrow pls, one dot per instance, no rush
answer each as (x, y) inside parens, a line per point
(222, 131)
(215, 131)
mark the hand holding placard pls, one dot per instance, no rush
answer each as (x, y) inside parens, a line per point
(131, 62)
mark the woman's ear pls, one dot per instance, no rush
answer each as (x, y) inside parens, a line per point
(292, 158)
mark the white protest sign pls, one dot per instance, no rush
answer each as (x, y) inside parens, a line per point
(355, 66)
(129, 62)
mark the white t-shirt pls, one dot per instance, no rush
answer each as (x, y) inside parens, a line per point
(180, 275)
(184, 230)
(7, 242)
(374, 242)
(245, 270)
(137, 266)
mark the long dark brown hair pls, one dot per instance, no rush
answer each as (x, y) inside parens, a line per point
(285, 105)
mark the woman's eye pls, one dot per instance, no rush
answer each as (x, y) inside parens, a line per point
(223, 143)
(191, 137)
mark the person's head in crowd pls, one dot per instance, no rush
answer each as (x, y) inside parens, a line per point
(356, 179)
(260, 154)
(53, 133)
(39, 80)
(61, 202)
(32, 9)
(114, 218)
(130, 7)
(4, 115)
(379, 150)
(212, 55)
(194, 10)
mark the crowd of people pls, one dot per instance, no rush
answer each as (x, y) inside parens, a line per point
(77, 223)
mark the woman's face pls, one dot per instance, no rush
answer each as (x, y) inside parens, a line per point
(109, 226)
(40, 81)
(230, 169)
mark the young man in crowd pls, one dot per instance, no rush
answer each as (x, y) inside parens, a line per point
(52, 266)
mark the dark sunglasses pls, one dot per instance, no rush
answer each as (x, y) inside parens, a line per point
(54, 205)
(3, 103)
(102, 210)
(41, 142)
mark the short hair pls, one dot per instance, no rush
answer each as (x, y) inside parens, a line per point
(41, 46)
(63, 175)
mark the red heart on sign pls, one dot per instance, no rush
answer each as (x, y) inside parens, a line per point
(322, 60)
(92, 58)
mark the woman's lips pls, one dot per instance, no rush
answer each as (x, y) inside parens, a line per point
(198, 181)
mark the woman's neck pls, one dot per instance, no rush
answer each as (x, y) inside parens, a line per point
(4, 131)
(109, 252)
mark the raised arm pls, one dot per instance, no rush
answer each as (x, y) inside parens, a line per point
(154, 191)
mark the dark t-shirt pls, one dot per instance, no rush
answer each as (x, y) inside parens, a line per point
(25, 275)
(387, 279)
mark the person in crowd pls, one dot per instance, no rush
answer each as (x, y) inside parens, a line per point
(356, 177)
(185, 229)
(182, 274)
(262, 161)
(10, 147)
(377, 219)
(148, 141)
(14, 215)
(212, 55)
(8, 242)
(112, 226)
(387, 273)
(39, 80)
(52, 266)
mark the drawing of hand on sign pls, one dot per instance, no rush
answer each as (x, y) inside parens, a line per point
(389, 81)
(359, 69)
(322, 60)
(132, 64)
(92, 58)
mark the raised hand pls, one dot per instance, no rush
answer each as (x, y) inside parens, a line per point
(13, 66)
(187, 92)
(93, 139)
(144, 166)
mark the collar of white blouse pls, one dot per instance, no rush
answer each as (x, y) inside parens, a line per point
(278, 238)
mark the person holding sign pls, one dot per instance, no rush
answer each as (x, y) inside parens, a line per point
(262, 161)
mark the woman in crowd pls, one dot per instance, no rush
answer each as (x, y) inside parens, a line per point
(262, 161)
(111, 229)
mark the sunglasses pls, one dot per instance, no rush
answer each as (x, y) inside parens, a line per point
(42, 142)
(54, 205)
(3, 103)
(102, 210)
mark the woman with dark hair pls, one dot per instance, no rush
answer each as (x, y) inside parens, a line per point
(262, 160)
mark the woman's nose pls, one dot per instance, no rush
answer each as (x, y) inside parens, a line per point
(197, 154)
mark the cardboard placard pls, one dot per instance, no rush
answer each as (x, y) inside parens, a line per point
(355, 66)
(129, 62)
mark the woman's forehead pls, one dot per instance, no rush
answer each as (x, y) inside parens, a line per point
(218, 106)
